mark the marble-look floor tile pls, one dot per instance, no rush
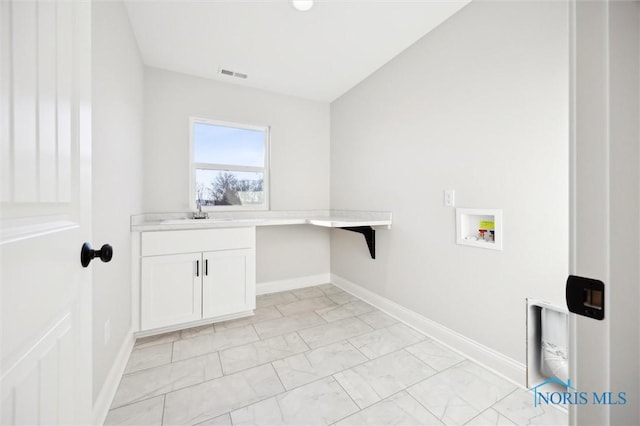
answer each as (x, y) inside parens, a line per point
(318, 363)
(490, 417)
(260, 352)
(359, 360)
(334, 332)
(142, 358)
(386, 340)
(318, 403)
(223, 420)
(196, 331)
(378, 319)
(435, 355)
(157, 339)
(329, 288)
(350, 309)
(305, 305)
(378, 379)
(264, 300)
(519, 407)
(211, 399)
(461, 392)
(307, 292)
(143, 413)
(278, 326)
(260, 314)
(199, 345)
(399, 409)
(342, 297)
(166, 378)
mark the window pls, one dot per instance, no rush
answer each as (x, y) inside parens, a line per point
(229, 165)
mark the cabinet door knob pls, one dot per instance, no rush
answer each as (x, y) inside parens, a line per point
(87, 254)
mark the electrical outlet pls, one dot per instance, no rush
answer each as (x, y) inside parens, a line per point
(107, 331)
(449, 197)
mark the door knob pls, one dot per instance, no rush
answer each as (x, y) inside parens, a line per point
(87, 254)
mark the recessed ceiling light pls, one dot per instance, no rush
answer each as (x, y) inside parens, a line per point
(302, 5)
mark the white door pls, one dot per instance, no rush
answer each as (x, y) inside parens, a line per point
(605, 355)
(45, 137)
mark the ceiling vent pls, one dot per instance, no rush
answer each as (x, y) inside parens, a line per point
(230, 73)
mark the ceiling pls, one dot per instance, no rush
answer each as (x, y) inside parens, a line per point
(319, 54)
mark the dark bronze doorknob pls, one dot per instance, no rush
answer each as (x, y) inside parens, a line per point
(87, 254)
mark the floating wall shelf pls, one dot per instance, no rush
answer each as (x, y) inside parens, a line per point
(361, 222)
(480, 228)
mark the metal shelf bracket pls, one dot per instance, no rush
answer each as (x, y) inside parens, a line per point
(369, 235)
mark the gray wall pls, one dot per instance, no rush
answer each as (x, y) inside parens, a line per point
(479, 105)
(299, 160)
(117, 176)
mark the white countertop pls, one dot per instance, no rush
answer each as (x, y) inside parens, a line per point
(326, 218)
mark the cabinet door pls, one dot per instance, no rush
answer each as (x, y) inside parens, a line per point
(171, 289)
(228, 285)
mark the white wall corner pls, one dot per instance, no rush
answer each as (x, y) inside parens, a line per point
(292, 284)
(103, 402)
(495, 361)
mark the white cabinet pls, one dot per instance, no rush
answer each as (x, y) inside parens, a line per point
(223, 284)
(194, 275)
(171, 290)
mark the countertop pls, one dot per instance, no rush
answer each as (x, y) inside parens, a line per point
(325, 218)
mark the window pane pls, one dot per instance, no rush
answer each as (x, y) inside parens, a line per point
(227, 145)
(229, 188)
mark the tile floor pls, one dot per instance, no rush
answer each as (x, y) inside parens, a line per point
(317, 355)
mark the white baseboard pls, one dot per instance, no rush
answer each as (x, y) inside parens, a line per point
(500, 364)
(292, 284)
(108, 391)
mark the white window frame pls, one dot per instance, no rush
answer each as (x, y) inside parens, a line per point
(193, 166)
